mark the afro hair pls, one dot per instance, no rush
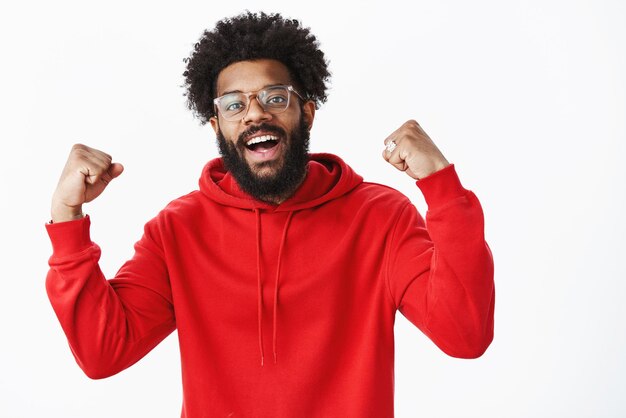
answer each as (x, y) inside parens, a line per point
(251, 36)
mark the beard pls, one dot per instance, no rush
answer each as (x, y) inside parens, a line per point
(289, 171)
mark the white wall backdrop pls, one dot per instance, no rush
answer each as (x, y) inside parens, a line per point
(528, 99)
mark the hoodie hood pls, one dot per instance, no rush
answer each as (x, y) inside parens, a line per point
(328, 177)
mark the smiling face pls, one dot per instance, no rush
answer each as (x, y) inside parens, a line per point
(266, 153)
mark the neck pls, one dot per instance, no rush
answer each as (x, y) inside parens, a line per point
(280, 198)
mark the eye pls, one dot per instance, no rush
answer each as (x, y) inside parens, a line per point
(276, 99)
(233, 106)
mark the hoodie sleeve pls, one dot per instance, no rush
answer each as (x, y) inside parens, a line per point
(109, 325)
(441, 273)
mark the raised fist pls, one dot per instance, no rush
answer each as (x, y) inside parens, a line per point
(411, 150)
(86, 174)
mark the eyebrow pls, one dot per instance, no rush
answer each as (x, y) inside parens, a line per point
(264, 87)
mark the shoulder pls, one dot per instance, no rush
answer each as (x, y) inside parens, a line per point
(189, 210)
(185, 205)
(375, 199)
(380, 193)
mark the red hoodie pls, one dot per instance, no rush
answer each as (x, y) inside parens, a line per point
(283, 311)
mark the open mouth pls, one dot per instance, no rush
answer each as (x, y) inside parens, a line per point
(262, 143)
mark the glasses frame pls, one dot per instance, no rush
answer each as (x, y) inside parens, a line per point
(290, 89)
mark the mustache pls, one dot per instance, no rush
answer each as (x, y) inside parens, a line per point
(241, 140)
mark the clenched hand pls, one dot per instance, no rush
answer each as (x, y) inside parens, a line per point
(414, 152)
(86, 174)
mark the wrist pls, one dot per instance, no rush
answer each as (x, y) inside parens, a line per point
(64, 213)
(435, 168)
(441, 187)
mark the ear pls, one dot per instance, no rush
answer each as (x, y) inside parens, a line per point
(214, 124)
(308, 110)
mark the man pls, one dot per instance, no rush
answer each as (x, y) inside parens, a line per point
(284, 272)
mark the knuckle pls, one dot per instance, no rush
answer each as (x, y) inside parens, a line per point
(77, 151)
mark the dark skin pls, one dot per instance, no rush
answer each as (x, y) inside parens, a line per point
(251, 76)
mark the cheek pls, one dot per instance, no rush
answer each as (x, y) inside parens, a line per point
(229, 134)
(295, 121)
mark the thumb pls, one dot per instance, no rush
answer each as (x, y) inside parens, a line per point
(112, 172)
(115, 170)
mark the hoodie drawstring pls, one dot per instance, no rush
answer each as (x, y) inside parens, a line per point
(258, 276)
(280, 255)
(260, 290)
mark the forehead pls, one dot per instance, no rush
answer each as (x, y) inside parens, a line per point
(251, 76)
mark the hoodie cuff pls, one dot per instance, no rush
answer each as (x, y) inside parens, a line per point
(441, 187)
(69, 237)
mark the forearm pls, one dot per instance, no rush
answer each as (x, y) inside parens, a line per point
(102, 327)
(458, 290)
(445, 272)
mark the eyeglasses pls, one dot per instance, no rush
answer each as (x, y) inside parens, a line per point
(273, 99)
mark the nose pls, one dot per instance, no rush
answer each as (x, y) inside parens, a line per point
(255, 112)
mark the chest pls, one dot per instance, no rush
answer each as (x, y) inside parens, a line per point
(330, 257)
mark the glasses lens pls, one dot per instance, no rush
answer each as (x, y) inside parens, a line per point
(274, 99)
(232, 104)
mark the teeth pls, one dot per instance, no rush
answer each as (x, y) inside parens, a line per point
(262, 138)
